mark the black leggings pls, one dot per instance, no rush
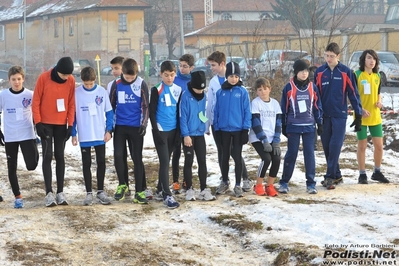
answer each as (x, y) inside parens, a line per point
(164, 151)
(86, 160)
(267, 158)
(175, 161)
(228, 139)
(31, 158)
(135, 142)
(58, 133)
(199, 147)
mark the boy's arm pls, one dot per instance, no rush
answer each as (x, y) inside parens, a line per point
(317, 108)
(36, 100)
(183, 118)
(153, 108)
(112, 95)
(247, 110)
(353, 93)
(257, 128)
(144, 103)
(109, 120)
(208, 110)
(277, 129)
(71, 102)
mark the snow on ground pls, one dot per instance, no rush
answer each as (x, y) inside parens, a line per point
(295, 229)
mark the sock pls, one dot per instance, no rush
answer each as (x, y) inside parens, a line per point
(377, 169)
(362, 172)
(19, 196)
(238, 184)
(89, 193)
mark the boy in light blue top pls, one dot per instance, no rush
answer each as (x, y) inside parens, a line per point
(232, 121)
(192, 128)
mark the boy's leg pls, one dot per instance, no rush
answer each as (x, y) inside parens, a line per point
(175, 161)
(164, 151)
(119, 152)
(100, 158)
(200, 152)
(290, 157)
(237, 156)
(308, 154)
(86, 163)
(126, 167)
(335, 145)
(219, 149)
(136, 152)
(47, 153)
(188, 163)
(59, 148)
(226, 144)
(30, 153)
(12, 161)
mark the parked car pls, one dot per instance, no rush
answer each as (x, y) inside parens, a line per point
(155, 69)
(388, 68)
(247, 68)
(202, 64)
(317, 61)
(272, 61)
(106, 71)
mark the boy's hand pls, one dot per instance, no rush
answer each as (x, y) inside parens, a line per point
(276, 149)
(267, 147)
(142, 130)
(41, 131)
(1, 138)
(74, 141)
(107, 136)
(319, 129)
(188, 141)
(357, 123)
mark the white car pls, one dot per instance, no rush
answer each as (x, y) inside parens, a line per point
(388, 68)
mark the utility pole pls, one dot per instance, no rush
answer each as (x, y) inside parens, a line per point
(208, 7)
(24, 33)
(181, 28)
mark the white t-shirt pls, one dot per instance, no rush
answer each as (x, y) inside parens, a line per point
(17, 115)
(91, 106)
(268, 112)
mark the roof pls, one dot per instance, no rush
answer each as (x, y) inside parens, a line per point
(351, 20)
(231, 5)
(13, 9)
(239, 27)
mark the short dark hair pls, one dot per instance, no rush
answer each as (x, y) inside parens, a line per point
(262, 82)
(117, 60)
(333, 47)
(88, 74)
(168, 66)
(16, 70)
(188, 58)
(218, 57)
(130, 67)
(362, 60)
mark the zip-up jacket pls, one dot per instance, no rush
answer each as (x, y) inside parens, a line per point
(190, 111)
(335, 86)
(232, 110)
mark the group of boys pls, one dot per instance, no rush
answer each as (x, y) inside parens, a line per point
(180, 114)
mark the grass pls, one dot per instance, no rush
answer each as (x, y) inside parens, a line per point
(237, 222)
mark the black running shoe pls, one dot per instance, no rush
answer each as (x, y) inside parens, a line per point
(329, 183)
(335, 181)
(378, 176)
(362, 179)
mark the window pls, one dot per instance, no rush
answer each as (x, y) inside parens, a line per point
(55, 27)
(70, 26)
(1, 32)
(21, 31)
(226, 16)
(188, 21)
(122, 23)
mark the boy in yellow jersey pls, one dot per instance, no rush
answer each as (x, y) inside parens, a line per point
(369, 84)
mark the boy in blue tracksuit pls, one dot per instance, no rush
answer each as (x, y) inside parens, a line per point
(336, 82)
(192, 128)
(301, 108)
(232, 121)
(183, 76)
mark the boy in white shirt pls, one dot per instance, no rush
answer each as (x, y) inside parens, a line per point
(93, 126)
(16, 104)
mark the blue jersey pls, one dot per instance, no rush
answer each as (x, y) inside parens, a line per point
(232, 110)
(192, 113)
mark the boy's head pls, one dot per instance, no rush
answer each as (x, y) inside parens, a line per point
(301, 69)
(130, 69)
(198, 81)
(232, 73)
(116, 65)
(217, 61)
(369, 59)
(16, 77)
(263, 88)
(64, 67)
(331, 54)
(88, 76)
(168, 72)
(186, 64)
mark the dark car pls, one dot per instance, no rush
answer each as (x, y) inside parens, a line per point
(156, 68)
(202, 64)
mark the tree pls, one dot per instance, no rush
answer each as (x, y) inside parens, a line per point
(152, 23)
(169, 14)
